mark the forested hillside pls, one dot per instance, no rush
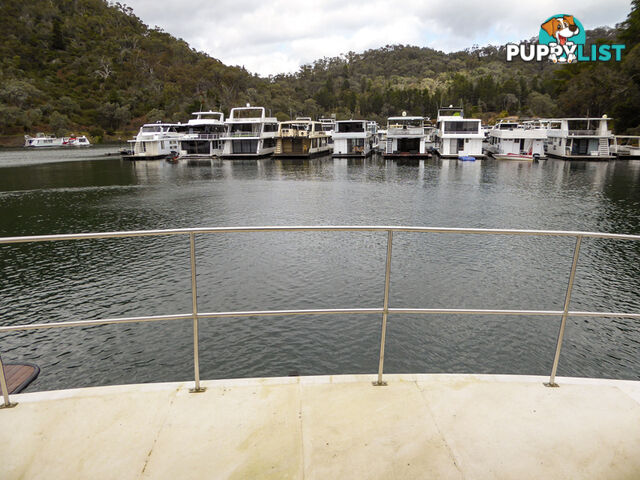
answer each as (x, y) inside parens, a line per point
(93, 67)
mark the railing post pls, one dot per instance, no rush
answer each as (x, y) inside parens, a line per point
(5, 389)
(565, 312)
(385, 309)
(194, 299)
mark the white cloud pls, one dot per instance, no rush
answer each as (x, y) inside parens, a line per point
(278, 36)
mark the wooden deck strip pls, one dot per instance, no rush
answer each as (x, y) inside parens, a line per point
(18, 376)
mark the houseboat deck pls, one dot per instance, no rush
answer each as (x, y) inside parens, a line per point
(347, 426)
(418, 426)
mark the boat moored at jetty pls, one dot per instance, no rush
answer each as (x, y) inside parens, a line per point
(156, 141)
(250, 133)
(405, 137)
(513, 141)
(457, 136)
(579, 138)
(353, 138)
(203, 133)
(42, 141)
(301, 138)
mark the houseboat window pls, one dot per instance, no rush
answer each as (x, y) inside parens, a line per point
(349, 127)
(461, 127)
(245, 146)
(270, 127)
(151, 129)
(583, 125)
(248, 113)
(242, 128)
(269, 142)
(405, 123)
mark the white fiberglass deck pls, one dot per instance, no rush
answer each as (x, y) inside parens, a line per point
(418, 426)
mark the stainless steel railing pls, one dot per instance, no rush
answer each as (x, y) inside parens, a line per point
(385, 310)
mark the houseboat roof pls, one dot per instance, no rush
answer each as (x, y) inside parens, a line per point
(575, 118)
(210, 112)
(261, 118)
(406, 118)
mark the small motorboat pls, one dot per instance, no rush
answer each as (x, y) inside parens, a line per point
(523, 157)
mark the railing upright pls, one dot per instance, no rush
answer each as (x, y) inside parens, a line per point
(5, 390)
(194, 300)
(565, 313)
(385, 309)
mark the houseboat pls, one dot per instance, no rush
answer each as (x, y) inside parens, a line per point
(405, 137)
(328, 126)
(301, 138)
(382, 140)
(626, 146)
(430, 132)
(457, 136)
(513, 141)
(353, 138)
(156, 141)
(373, 128)
(42, 140)
(250, 133)
(579, 138)
(203, 134)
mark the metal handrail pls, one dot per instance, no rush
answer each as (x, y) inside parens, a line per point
(385, 310)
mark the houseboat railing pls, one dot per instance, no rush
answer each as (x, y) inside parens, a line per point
(590, 133)
(201, 136)
(385, 310)
(253, 133)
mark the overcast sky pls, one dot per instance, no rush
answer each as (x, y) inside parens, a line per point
(277, 36)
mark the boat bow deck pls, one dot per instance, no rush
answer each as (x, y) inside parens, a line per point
(419, 426)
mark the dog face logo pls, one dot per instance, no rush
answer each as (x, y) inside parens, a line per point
(564, 31)
(561, 28)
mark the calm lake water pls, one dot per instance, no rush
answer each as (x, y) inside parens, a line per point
(60, 191)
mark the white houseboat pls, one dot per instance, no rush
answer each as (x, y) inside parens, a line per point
(457, 136)
(42, 140)
(250, 133)
(513, 141)
(353, 138)
(373, 128)
(301, 138)
(430, 132)
(580, 138)
(328, 126)
(203, 134)
(626, 146)
(156, 141)
(405, 137)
